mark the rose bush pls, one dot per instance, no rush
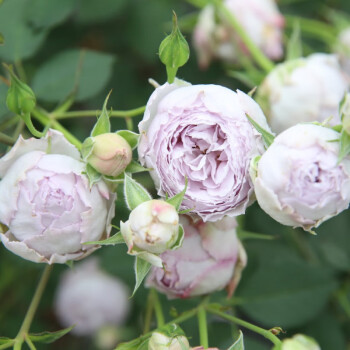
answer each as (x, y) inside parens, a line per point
(201, 132)
(47, 204)
(210, 258)
(298, 180)
(91, 299)
(303, 90)
(213, 37)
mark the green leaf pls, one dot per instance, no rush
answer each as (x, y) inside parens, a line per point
(141, 268)
(267, 137)
(93, 175)
(135, 167)
(344, 145)
(103, 124)
(180, 238)
(44, 14)
(115, 239)
(49, 337)
(238, 345)
(134, 193)
(174, 51)
(294, 45)
(84, 71)
(22, 40)
(132, 138)
(177, 199)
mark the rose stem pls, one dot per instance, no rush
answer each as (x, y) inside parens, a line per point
(149, 312)
(23, 332)
(158, 309)
(45, 119)
(119, 114)
(264, 332)
(203, 328)
(256, 53)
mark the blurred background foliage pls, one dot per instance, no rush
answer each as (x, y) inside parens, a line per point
(296, 281)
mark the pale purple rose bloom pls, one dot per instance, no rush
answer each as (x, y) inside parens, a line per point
(201, 132)
(210, 258)
(47, 203)
(91, 299)
(303, 90)
(298, 179)
(213, 37)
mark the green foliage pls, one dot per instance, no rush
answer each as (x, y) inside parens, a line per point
(113, 240)
(83, 72)
(141, 269)
(49, 337)
(134, 193)
(132, 138)
(238, 345)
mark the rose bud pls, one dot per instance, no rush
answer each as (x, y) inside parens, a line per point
(110, 154)
(201, 133)
(210, 258)
(303, 90)
(343, 50)
(298, 180)
(160, 341)
(47, 204)
(91, 299)
(298, 342)
(153, 227)
(213, 37)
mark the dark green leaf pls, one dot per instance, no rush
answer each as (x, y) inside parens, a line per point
(132, 138)
(115, 239)
(134, 193)
(103, 124)
(141, 269)
(49, 337)
(85, 71)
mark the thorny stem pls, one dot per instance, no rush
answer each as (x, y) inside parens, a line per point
(23, 332)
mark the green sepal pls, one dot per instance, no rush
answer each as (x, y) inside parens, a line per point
(180, 238)
(344, 144)
(86, 148)
(174, 51)
(135, 167)
(267, 137)
(141, 269)
(177, 199)
(134, 193)
(113, 240)
(93, 175)
(49, 337)
(103, 124)
(132, 138)
(253, 169)
(70, 263)
(238, 345)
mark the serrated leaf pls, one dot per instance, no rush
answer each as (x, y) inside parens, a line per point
(135, 167)
(294, 45)
(103, 124)
(141, 269)
(180, 238)
(49, 337)
(134, 193)
(132, 138)
(115, 239)
(238, 345)
(86, 148)
(93, 175)
(267, 137)
(177, 199)
(344, 145)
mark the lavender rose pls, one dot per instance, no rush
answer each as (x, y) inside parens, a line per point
(303, 90)
(298, 180)
(47, 204)
(214, 38)
(201, 132)
(210, 258)
(91, 299)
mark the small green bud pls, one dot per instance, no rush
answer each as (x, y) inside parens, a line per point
(174, 51)
(298, 342)
(20, 97)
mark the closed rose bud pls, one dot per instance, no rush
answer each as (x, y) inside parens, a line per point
(298, 342)
(110, 154)
(210, 258)
(153, 226)
(160, 341)
(47, 205)
(299, 181)
(91, 299)
(303, 90)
